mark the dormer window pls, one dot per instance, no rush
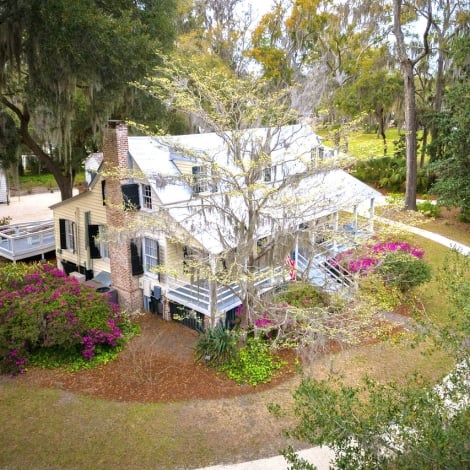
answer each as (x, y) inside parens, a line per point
(317, 154)
(269, 174)
(199, 179)
(146, 190)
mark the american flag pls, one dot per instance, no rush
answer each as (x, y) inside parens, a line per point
(291, 263)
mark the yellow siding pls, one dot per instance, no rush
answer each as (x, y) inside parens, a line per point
(74, 209)
(185, 167)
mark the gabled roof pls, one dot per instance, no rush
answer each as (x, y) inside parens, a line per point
(156, 156)
(290, 146)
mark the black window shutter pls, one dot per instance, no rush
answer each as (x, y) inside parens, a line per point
(136, 260)
(63, 235)
(158, 257)
(93, 231)
(130, 194)
(103, 191)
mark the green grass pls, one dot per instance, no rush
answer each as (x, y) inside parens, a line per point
(45, 180)
(44, 428)
(448, 230)
(362, 146)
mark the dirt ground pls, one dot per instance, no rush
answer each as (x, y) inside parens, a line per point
(156, 366)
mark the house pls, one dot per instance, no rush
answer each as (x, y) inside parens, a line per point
(181, 225)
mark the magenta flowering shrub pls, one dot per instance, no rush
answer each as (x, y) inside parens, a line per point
(364, 262)
(264, 321)
(40, 307)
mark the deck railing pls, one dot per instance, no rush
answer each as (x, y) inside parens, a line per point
(197, 295)
(27, 239)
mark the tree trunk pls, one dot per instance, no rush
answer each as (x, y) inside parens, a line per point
(65, 184)
(434, 154)
(410, 136)
(381, 131)
(407, 68)
(424, 146)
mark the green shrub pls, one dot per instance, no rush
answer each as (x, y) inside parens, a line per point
(216, 345)
(404, 270)
(303, 295)
(389, 173)
(429, 209)
(253, 365)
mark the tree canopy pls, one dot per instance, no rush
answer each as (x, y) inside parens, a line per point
(65, 66)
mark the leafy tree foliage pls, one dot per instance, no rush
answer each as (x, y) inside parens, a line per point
(61, 61)
(374, 89)
(453, 140)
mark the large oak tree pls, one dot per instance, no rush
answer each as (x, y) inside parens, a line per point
(65, 66)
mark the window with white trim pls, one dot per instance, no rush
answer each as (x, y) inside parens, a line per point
(269, 174)
(150, 254)
(146, 196)
(104, 245)
(199, 179)
(70, 235)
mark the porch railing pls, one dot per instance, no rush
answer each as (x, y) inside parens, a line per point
(23, 240)
(197, 295)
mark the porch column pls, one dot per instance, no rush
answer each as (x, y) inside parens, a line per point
(336, 223)
(212, 290)
(355, 219)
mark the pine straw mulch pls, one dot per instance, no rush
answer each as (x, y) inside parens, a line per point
(156, 366)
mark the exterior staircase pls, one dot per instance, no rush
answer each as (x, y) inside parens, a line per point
(318, 269)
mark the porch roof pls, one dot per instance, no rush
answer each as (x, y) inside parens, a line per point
(313, 197)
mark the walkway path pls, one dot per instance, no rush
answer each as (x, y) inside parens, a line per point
(427, 234)
(30, 208)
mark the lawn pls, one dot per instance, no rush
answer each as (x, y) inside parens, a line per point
(362, 146)
(44, 180)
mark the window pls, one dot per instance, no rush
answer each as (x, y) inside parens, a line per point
(97, 241)
(146, 196)
(199, 182)
(151, 254)
(67, 234)
(104, 245)
(269, 174)
(317, 154)
(70, 234)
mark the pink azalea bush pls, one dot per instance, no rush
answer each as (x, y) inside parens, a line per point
(368, 260)
(40, 307)
(398, 263)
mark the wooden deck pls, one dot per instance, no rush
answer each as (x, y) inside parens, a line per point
(27, 239)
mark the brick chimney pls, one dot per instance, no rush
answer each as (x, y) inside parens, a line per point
(120, 222)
